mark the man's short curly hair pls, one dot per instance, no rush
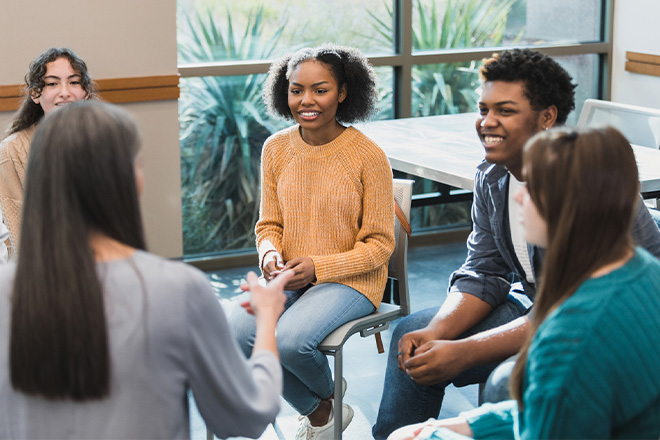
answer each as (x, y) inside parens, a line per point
(546, 83)
(347, 65)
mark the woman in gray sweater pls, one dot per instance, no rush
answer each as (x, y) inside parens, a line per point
(100, 339)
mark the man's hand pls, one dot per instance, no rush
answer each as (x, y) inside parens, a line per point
(303, 270)
(436, 361)
(410, 342)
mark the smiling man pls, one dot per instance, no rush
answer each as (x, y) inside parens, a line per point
(482, 322)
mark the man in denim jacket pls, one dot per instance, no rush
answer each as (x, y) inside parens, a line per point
(482, 321)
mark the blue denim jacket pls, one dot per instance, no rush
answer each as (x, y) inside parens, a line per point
(492, 271)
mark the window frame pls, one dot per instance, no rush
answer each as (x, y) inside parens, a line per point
(403, 60)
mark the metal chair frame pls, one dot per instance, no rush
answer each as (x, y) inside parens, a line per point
(379, 320)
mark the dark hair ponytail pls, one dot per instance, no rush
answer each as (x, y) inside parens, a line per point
(80, 180)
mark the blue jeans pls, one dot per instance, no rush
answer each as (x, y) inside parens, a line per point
(310, 314)
(405, 402)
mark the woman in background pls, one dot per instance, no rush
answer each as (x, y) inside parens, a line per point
(589, 368)
(101, 339)
(56, 78)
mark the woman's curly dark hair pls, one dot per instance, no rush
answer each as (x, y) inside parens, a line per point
(347, 65)
(30, 113)
(546, 82)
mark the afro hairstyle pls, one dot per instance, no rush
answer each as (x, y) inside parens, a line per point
(347, 66)
(546, 83)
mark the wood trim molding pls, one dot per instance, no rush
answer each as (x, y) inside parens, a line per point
(643, 63)
(115, 90)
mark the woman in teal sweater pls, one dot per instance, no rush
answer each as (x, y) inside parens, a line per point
(590, 368)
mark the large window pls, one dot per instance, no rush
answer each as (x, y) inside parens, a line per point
(426, 54)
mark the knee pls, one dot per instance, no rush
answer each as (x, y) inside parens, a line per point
(243, 327)
(412, 322)
(293, 349)
(497, 385)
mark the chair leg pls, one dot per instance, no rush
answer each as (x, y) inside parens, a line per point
(339, 400)
(209, 434)
(379, 343)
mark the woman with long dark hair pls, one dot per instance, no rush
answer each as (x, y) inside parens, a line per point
(101, 339)
(56, 78)
(589, 368)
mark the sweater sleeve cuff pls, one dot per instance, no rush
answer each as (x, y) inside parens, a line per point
(265, 246)
(321, 271)
(493, 420)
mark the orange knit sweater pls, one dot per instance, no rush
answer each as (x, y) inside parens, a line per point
(331, 202)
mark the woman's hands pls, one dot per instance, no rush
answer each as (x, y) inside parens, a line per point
(424, 430)
(267, 300)
(303, 271)
(272, 262)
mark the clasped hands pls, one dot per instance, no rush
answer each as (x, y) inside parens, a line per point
(429, 360)
(302, 268)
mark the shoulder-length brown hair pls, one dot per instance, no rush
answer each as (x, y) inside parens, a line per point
(80, 179)
(585, 185)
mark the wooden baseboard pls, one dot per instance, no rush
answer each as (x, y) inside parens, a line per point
(643, 63)
(115, 90)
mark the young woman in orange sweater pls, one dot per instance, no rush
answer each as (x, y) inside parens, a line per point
(327, 215)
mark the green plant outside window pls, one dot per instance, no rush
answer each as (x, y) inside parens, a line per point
(223, 122)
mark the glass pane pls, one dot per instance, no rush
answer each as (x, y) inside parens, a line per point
(446, 88)
(444, 24)
(222, 129)
(385, 92)
(585, 71)
(451, 88)
(221, 30)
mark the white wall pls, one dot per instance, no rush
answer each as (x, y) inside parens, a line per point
(117, 39)
(636, 29)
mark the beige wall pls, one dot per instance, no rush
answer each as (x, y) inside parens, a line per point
(635, 30)
(117, 39)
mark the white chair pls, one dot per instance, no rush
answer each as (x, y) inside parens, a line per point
(379, 320)
(640, 125)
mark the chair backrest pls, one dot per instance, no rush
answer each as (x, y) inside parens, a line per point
(640, 125)
(398, 264)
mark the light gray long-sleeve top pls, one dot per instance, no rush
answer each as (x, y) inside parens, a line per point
(168, 334)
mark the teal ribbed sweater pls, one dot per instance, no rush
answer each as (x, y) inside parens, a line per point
(594, 364)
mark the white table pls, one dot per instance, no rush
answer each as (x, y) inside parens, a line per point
(446, 149)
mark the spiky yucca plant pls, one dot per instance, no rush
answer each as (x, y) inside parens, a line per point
(451, 88)
(222, 132)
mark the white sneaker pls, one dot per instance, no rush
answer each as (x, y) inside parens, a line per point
(308, 432)
(303, 428)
